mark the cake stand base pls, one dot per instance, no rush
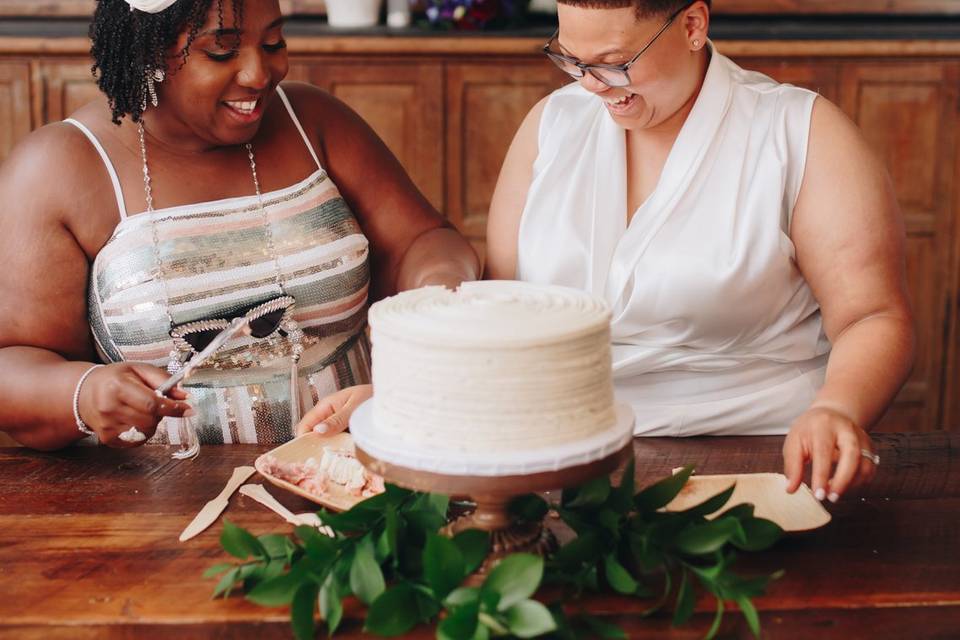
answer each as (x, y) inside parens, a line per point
(492, 495)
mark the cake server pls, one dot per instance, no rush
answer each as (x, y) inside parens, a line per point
(212, 510)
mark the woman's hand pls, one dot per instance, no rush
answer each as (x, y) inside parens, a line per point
(119, 396)
(332, 414)
(823, 437)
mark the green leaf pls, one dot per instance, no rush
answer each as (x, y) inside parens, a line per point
(685, 601)
(225, 586)
(706, 538)
(301, 611)
(428, 607)
(528, 508)
(660, 494)
(618, 577)
(740, 512)
(366, 577)
(592, 494)
(717, 619)
(759, 534)
(621, 498)
(750, 613)
(474, 545)
(391, 532)
(529, 618)
(584, 549)
(217, 569)
(601, 628)
(331, 607)
(240, 543)
(461, 624)
(443, 565)
(427, 512)
(276, 546)
(515, 578)
(278, 591)
(394, 612)
(711, 505)
(462, 595)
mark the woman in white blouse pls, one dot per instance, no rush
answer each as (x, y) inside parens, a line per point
(746, 238)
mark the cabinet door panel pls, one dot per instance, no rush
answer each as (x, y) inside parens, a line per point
(821, 77)
(402, 102)
(486, 104)
(907, 112)
(66, 86)
(14, 104)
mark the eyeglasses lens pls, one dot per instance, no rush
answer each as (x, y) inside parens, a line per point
(266, 324)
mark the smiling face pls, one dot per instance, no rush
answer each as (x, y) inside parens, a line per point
(662, 80)
(218, 96)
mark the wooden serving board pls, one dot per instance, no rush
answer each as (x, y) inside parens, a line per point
(798, 511)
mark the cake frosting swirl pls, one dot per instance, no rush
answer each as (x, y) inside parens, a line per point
(492, 367)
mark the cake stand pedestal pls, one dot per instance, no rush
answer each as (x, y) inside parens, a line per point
(492, 495)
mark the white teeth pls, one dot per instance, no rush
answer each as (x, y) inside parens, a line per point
(618, 101)
(245, 107)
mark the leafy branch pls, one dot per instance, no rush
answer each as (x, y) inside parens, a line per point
(388, 553)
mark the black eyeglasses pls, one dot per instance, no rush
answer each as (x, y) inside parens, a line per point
(612, 75)
(264, 319)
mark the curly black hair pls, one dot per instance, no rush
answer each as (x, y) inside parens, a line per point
(128, 46)
(644, 8)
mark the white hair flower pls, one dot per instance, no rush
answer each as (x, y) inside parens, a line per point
(150, 6)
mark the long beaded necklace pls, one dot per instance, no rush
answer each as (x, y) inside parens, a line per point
(288, 324)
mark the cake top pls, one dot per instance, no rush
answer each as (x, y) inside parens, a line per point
(490, 314)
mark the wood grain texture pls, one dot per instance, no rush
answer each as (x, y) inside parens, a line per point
(88, 545)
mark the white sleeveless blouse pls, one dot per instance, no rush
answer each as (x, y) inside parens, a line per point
(714, 330)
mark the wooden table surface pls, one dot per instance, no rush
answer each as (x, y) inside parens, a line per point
(88, 546)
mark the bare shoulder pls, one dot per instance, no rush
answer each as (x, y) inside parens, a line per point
(835, 140)
(45, 168)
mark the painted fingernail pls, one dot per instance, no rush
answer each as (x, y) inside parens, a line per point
(321, 428)
(820, 494)
(833, 497)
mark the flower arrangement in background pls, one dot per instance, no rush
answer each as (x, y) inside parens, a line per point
(473, 14)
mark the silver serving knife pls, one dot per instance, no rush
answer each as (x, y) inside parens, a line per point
(212, 510)
(235, 327)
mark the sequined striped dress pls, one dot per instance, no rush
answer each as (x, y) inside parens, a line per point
(215, 261)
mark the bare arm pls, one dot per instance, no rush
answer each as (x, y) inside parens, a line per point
(850, 248)
(411, 244)
(45, 343)
(509, 198)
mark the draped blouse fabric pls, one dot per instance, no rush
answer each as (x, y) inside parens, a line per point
(215, 261)
(714, 328)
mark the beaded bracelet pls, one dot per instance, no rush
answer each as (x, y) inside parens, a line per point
(81, 425)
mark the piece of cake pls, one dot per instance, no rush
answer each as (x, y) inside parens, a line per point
(492, 367)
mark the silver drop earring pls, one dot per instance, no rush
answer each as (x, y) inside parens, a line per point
(154, 77)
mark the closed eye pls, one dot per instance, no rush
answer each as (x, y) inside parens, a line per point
(273, 47)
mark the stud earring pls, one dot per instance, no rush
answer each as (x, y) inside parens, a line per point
(696, 44)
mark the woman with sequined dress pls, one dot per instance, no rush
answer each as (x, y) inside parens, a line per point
(196, 191)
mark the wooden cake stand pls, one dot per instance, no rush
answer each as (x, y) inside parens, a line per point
(492, 495)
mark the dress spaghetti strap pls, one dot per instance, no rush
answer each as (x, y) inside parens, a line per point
(118, 192)
(296, 121)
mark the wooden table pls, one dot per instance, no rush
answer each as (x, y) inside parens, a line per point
(88, 546)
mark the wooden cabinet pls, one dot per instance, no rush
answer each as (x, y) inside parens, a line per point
(402, 101)
(64, 86)
(14, 104)
(485, 104)
(448, 108)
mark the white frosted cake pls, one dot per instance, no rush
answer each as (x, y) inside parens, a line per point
(494, 367)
